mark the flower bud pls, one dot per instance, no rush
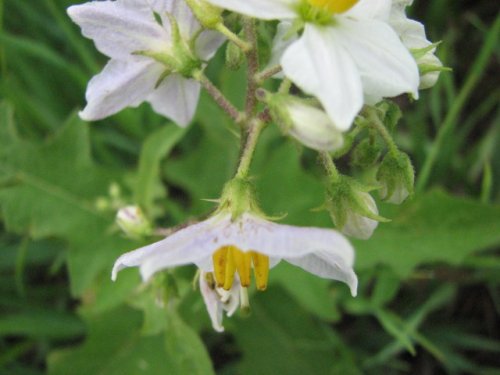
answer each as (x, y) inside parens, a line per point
(397, 176)
(208, 15)
(132, 222)
(305, 122)
(352, 208)
(429, 65)
(234, 56)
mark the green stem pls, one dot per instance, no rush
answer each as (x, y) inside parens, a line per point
(331, 170)
(245, 47)
(254, 131)
(267, 73)
(476, 72)
(375, 123)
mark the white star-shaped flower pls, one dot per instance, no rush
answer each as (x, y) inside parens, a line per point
(347, 55)
(136, 35)
(229, 248)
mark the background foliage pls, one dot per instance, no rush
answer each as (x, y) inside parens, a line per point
(429, 299)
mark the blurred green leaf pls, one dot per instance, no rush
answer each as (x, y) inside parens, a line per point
(37, 323)
(280, 337)
(432, 228)
(50, 189)
(113, 347)
(155, 148)
(187, 351)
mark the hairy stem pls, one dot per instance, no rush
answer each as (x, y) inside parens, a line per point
(254, 129)
(219, 98)
(253, 65)
(330, 168)
(267, 73)
(245, 46)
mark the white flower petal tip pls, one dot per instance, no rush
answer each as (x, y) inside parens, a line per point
(248, 242)
(120, 29)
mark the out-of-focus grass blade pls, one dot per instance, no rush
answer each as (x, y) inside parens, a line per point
(473, 77)
(35, 49)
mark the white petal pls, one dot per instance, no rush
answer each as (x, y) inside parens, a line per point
(263, 9)
(370, 9)
(313, 128)
(360, 226)
(120, 84)
(387, 68)
(207, 43)
(320, 65)
(177, 8)
(169, 245)
(212, 303)
(118, 30)
(329, 266)
(282, 40)
(176, 98)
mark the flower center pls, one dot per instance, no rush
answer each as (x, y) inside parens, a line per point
(229, 259)
(333, 6)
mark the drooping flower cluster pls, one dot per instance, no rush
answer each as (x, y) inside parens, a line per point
(343, 59)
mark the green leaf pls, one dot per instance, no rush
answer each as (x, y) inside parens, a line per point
(113, 347)
(49, 189)
(185, 348)
(280, 337)
(431, 228)
(37, 323)
(156, 147)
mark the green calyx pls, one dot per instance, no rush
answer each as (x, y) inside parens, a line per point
(208, 15)
(238, 197)
(397, 177)
(180, 58)
(311, 14)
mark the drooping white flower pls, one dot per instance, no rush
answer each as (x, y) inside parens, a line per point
(229, 248)
(146, 62)
(412, 33)
(347, 55)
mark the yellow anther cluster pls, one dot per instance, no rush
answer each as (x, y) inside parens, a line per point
(229, 259)
(333, 6)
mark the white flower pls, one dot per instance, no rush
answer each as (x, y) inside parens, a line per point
(347, 54)
(136, 35)
(227, 247)
(412, 33)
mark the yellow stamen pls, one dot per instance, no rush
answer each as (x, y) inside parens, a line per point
(229, 259)
(333, 6)
(260, 270)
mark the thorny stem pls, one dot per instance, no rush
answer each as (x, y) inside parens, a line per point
(330, 168)
(253, 65)
(245, 46)
(219, 97)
